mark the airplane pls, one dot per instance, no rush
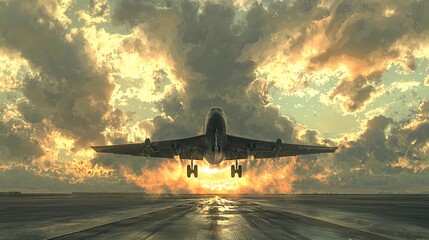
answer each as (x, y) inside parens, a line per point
(214, 146)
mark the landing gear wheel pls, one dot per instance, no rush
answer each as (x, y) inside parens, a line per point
(188, 171)
(238, 170)
(196, 171)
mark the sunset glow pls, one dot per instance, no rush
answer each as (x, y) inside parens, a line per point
(74, 74)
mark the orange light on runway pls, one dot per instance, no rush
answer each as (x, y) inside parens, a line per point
(264, 176)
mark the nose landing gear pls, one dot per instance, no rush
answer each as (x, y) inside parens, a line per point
(236, 169)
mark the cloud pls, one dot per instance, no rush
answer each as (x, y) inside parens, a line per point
(404, 86)
(361, 40)
(69, 90)
(181, 58)
(20, 179)
(17, 145)
(99, 11)
(206, 47)
(11, 67)
(358, 91)
(363, 37)
(386, 156)
(62, 98)
(368, 38)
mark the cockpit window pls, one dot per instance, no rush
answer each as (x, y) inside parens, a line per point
(216, 109)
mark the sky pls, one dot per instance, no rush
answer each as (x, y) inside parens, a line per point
(353, 74)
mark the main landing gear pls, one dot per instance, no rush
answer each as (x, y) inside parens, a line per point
(236, 169)
(192, 169)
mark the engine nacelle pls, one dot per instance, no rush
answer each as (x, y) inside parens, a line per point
(251, 150)
(147, 147)
(175, 149)
(278, 146)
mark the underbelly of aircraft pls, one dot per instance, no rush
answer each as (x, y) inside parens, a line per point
(214, 157)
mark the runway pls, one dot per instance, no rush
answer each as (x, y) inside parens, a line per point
(138, 216)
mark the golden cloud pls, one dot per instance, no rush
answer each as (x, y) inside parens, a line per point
(12, 68)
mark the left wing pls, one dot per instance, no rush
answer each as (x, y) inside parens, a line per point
(185, 148)
(241, 148)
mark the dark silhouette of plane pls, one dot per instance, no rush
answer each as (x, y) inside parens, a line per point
(214, 146)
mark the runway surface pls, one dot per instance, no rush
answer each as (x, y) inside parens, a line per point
(137, 216)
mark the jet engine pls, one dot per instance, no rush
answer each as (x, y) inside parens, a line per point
(251, 149)
(175, 149)
(147, 148)
(278, 147)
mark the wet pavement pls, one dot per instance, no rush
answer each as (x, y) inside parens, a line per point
(137, 216)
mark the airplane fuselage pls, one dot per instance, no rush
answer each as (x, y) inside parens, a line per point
(215, 136)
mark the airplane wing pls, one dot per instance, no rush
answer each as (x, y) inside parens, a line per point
(185, 148)
(241, 148)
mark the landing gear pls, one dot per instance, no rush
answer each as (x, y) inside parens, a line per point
(238, 170)
(192, 169)
(235, 169)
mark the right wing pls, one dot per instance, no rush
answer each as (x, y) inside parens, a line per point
(241, 148)
(186, 148)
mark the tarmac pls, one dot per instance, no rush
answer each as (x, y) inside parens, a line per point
(139, 216)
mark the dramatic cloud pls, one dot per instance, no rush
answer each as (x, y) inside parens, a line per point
(64, 95)
(357, 91)
(205, 43)
(367, 37)
(99, 12)
(76, 74)
(350, 40)
(385, 154)
(17, 145)
(69, 90)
